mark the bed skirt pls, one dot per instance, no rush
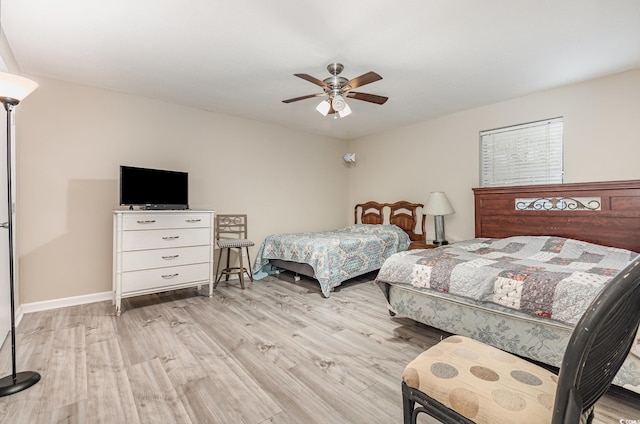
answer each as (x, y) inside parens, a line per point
(532, 337)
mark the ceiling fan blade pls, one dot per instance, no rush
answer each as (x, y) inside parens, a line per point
(363, 79)
(372, 98)
(295, 99)
(314, 80)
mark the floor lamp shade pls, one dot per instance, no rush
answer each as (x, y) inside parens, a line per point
(13, 89)
(438, 205)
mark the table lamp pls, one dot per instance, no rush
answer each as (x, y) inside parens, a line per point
(438, 205)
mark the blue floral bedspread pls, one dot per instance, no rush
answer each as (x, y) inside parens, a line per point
(336, 255)
(550, 277)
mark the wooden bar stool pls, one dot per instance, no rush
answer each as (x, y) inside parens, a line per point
(231, 233)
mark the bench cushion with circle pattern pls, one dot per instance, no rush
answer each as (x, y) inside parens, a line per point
(483, 383)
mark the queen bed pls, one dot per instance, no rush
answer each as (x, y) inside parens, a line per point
(541, 253)
(331, 257)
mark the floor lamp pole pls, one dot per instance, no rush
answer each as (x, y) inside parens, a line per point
(17, 381)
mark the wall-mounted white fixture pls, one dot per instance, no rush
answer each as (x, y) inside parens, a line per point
(349, 157)
(438, 205)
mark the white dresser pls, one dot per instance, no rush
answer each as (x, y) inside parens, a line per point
(155, 251)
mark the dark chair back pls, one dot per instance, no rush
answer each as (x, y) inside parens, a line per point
(599, 345)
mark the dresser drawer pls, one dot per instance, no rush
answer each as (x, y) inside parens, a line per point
(160, 278)
(158, 258)
(154, 221)
(162, 239)
(155, 251)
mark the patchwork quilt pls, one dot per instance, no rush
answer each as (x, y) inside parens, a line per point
(550, 277)
(336, 255)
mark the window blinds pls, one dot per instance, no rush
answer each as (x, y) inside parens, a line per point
(522, 154)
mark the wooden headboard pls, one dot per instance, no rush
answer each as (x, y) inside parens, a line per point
(403, 214)
(370, 213)
(606, 213)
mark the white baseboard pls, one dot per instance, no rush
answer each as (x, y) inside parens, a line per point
(46, 305)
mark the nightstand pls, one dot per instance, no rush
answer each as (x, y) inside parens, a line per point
(419, 244)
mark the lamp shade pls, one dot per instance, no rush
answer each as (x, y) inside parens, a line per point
(323, 107)
(338, 103)
(438, 204)
(15, 87)
(346, 111)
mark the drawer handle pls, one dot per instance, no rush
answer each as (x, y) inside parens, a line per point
(170, 257)
(170, 237)
(168, 276)
(191, 221)
(146, 221)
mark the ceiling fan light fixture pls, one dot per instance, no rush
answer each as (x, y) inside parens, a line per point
(337, 89)
(323, 107)
(346, 111)
(338, 103)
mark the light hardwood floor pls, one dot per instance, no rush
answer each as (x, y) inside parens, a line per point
(276, 352)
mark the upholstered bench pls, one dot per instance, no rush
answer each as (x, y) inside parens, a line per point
(478, 382)
(460, 380)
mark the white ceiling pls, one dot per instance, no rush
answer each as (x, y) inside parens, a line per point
(238, 57)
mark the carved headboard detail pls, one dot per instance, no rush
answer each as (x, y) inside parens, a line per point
(403, 214)
(606, 213)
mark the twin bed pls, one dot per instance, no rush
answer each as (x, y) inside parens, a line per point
(332, 257)
(541, 253)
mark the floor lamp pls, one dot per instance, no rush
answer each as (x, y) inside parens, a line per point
(13, 89)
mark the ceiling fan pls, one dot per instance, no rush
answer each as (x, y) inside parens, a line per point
(337, 88)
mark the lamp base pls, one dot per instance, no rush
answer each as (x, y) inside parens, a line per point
(23, 380)
(440, 242)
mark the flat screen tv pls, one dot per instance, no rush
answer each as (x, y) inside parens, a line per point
(153, 188)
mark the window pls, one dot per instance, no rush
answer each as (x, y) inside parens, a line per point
(522, 154)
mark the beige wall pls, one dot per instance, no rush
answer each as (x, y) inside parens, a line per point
(601, 143)
(72, 139)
